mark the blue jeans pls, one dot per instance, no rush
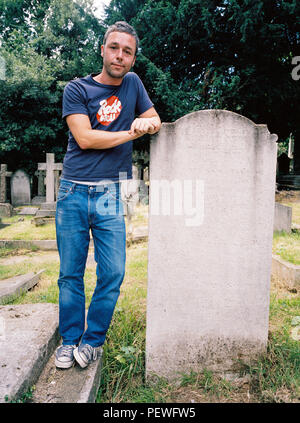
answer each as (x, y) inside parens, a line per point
(81, 208)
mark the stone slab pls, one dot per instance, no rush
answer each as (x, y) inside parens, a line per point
(40, 221)
(38, 200)
(48, 206)
(287, 274)
(29, 335)
(45, 244)
(28, 211)
(50, 244)
(16, 285)
(74, 385)
(45, 213)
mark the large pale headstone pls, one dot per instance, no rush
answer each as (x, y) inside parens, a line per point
(212, 195)
(20, 188)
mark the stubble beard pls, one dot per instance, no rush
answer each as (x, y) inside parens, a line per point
(115, 74)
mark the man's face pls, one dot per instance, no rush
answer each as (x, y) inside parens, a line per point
(118, 54)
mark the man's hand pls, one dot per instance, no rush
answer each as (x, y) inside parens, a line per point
(142, 126)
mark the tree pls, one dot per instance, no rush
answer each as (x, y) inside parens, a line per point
(226, 54)
(44, 45)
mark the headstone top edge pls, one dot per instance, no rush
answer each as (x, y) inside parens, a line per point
(216, 113)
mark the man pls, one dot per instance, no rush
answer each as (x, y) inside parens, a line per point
(101, 111)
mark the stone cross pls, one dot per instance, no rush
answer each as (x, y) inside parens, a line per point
(3, 175)
(212, 195)
(50, 167)
(41, 182)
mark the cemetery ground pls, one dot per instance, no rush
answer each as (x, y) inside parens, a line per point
(273, 378)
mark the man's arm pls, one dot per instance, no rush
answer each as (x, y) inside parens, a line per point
(86, 137)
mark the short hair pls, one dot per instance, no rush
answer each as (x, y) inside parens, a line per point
(122, 26)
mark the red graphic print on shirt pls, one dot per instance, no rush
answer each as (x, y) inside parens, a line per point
(109, 110)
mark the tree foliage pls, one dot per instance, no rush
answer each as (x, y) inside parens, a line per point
(195, 54)
(44, 44)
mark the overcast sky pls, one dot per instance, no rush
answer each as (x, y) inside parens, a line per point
(100, 4)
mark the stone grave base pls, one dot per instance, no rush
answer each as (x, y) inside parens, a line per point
(74, 385)
(29, 336)
(11, 287)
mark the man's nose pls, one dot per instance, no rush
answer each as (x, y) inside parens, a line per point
(120, 54)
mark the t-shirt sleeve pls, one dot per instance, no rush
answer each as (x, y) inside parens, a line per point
(73, 100)
(143, 102)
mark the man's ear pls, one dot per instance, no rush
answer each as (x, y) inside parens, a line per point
(133, 61)
(102, 49)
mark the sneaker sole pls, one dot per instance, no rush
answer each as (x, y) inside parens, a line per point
(62, 365)
(79, 360)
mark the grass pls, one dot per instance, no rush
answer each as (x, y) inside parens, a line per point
(287, 246)
(274, 377)
(20, 227)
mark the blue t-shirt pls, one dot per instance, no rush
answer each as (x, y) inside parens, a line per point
(110, 108)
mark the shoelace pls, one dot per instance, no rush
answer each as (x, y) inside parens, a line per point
(90, 352)
(66, 350)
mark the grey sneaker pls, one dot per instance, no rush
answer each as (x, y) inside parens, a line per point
(85, 353)
(64, 357)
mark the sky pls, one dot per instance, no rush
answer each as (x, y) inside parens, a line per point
(100, 4)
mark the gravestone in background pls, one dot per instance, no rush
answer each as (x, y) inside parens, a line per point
(4, 174)
(212, 195)
(20, 188)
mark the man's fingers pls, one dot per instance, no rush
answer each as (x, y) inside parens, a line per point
(141, 126)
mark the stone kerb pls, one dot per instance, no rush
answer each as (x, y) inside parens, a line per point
(212, 195)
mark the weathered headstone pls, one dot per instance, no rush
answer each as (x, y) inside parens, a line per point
(6, 210)
(212, 186)
(20, 188)
(282, 218)
(130, 195)
(3, 175)
(41, 182)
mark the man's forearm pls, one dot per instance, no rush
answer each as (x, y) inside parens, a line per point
(97, 139)
(88, 138)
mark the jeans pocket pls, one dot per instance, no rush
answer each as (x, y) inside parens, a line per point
(110, 203)
(63, 193)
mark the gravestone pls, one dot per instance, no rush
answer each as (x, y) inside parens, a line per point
(40, 174)
(212, 195)
(50, 167)
(282, 218)
(52, 181)
(3, 175)
(20, 188)
(130, 195)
